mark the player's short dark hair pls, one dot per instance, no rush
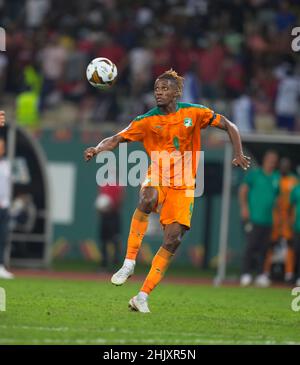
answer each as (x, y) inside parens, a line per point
(173, 76)
(271, 151)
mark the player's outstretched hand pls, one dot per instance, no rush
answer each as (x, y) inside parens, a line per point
(243, 161)
(2, 118)
(89, 153)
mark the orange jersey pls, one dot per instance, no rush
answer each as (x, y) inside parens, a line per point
(282, 226)
(175, 133)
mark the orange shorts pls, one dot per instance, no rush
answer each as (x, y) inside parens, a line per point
(174, 205)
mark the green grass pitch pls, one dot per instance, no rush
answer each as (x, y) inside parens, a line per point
(46, 311)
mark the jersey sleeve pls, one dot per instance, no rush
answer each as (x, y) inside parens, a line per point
(135, 131)
(207, 117)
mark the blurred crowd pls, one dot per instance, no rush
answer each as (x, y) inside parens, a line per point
(236, 57)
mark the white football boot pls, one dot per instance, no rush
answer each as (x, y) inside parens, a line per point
(139, 304)
(245, 280)
(121, 276)
(4, 274)
(262, 281)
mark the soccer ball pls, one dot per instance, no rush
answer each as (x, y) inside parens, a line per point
(101, 73)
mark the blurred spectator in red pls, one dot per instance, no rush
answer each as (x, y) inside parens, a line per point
(210, 66)
(185, 54)
(162, 56)
(108, 48)
(265, 80)
(233, 76)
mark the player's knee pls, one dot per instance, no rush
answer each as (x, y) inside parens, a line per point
(147, 202)
(172, 241)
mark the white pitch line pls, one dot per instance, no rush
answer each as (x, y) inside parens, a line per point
(113, 329)
(37, 328)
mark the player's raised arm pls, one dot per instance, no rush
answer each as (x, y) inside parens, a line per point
(239, 158)
(107, 144)
(2, 118)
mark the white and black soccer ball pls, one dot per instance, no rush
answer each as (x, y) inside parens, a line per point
(101, 73)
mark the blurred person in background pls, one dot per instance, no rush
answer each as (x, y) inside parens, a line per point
(243, 113)
(192, 88)
(74, 82)
(5, 177)
(140, 62)
(27, 109)
(35, 11)
(287, 100)
(264, 119)
(108, 205)
(258, 194)
(162, 55)
(210, 61)
(53, 59)
(233, 76)
(295, 202)
(32, 78)
(285, 17)
(282, 232)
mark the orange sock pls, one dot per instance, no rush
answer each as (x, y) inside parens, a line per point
(289, 260)
(159, 266)
(138, 228)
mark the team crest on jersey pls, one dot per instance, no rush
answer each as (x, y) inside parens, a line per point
(187, 122)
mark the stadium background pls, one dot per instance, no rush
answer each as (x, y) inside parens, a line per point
(233, 54)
